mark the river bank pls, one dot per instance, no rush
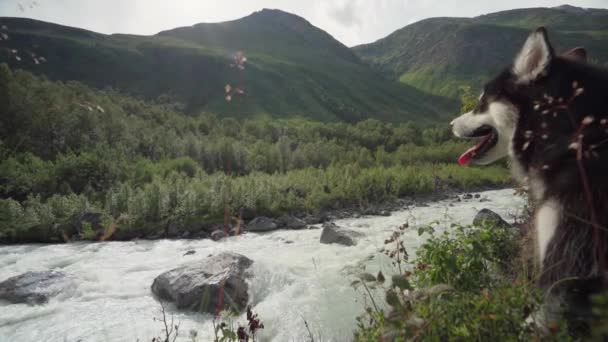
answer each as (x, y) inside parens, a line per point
(295, 277)
(92, 225)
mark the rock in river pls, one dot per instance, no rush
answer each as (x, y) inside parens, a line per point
(209, 285)
(35, 287)
(487, 216)
(335, 234)
(218, 235)
(292, 222)
(261, 224)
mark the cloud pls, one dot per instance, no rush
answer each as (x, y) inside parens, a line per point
(350, 21)
(346, 14)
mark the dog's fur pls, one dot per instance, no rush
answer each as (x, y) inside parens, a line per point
(550, 114)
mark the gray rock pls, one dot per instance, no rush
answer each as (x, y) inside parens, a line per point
(335, 234)
(291, 222)
(488, 217)
(316, 217)
(201, 235)
(35, 287)
(190, 253)
(261, 224)
(385, 213)
(209, 285)
(155, 236)
(217, 235)
(467, 196)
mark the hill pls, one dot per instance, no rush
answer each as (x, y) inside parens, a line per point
(292, 69)
(438, 55)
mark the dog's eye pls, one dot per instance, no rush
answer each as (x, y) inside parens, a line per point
(482, 105)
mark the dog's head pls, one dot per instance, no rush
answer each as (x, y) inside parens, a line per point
(510, 96)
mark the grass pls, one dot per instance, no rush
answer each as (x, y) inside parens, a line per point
(194, 203)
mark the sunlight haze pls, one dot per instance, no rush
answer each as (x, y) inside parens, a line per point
(352, 22)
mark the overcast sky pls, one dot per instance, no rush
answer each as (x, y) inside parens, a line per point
(350, 21)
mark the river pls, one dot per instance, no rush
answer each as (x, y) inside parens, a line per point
(295, 279)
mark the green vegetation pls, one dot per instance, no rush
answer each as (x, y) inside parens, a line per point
(465, 285)
(293, 69)
(67, 149)
(439, 55)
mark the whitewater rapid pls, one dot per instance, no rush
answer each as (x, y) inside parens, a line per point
(295, 279)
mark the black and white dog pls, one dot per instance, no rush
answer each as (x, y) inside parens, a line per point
(549, 114)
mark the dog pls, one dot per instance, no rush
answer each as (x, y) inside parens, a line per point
(549, 114)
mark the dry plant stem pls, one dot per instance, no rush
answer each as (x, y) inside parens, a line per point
(370, 297)
(599, 246)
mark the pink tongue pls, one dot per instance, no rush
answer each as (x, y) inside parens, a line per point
(465, 158)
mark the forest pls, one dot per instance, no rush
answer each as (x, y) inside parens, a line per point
(67, 149)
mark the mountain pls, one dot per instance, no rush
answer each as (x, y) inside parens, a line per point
(438, 55)
(292, 68)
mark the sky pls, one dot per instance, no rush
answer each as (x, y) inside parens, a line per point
(352, 22)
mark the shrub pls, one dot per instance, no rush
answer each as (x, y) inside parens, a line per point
(467, 258)
(457, 289)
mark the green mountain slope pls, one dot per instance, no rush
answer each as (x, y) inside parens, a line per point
(440, 54)
(293, 68)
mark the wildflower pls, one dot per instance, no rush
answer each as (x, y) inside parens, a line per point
(588, 120)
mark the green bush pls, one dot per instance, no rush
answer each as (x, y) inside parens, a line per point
(462, 286)
(467, 258)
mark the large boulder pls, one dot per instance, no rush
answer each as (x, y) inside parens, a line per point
(335, 234)
(210, 285)
(488, 217)
(36, 287)
(291, 222)
(261, 224)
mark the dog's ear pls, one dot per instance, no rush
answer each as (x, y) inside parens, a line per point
(578, 54)
(534, 58)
